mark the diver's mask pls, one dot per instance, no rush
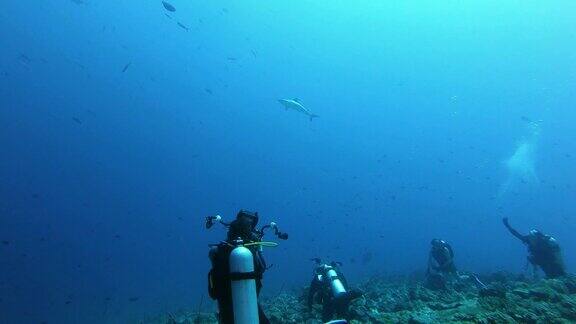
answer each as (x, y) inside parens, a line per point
(244, 227)
(535, 232)
(248, 216)
(437, 243)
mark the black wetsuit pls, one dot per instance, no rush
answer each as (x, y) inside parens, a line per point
(544, 252)
(440, 265)
(441, 259)
(219, 283)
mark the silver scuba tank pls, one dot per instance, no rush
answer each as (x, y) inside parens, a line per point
(244, 297)
(335, 284)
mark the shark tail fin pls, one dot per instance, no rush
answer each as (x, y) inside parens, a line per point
(313, 116)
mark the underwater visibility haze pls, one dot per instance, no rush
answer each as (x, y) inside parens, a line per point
(364, 129)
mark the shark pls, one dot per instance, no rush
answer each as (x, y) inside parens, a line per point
(296, 105)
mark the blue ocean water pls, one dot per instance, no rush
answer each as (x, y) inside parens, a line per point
(122, 125)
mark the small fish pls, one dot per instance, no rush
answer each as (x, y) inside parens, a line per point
(126, 67)
(77, 120)
(183, 26)
(316, 260)
(24, 59)
(168, 6)
(531, 121)
(5, 242)
(232, 59)
(526, 119)
(209, 91)
(133, 299)
(80, 65)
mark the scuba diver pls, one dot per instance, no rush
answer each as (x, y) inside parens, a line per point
(442, 270)
(440, 265)
(544, 251)
(330, 288)
(236, 262)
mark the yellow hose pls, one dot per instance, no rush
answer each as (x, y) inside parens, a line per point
(266, 244)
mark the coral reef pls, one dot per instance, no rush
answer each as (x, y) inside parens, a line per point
(505, 299)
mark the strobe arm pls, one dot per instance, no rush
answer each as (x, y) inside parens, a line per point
(211, 220)
(273, 225)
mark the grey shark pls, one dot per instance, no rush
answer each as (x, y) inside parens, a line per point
(296, 105)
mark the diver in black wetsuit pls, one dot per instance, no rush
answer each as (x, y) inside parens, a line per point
(330, 288)
(440, 264)
(544, 251)
(219, 283)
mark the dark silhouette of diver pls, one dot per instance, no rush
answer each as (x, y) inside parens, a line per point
(330, 288)
(440, 265)
(219, 281)
(544, 251)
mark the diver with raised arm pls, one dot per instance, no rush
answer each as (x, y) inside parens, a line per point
(544, 251)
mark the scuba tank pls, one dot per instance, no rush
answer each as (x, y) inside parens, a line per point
(330, 284)
(336, 285)
(244, 298)
(327, 273)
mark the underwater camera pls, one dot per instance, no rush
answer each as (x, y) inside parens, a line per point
(253, 218)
